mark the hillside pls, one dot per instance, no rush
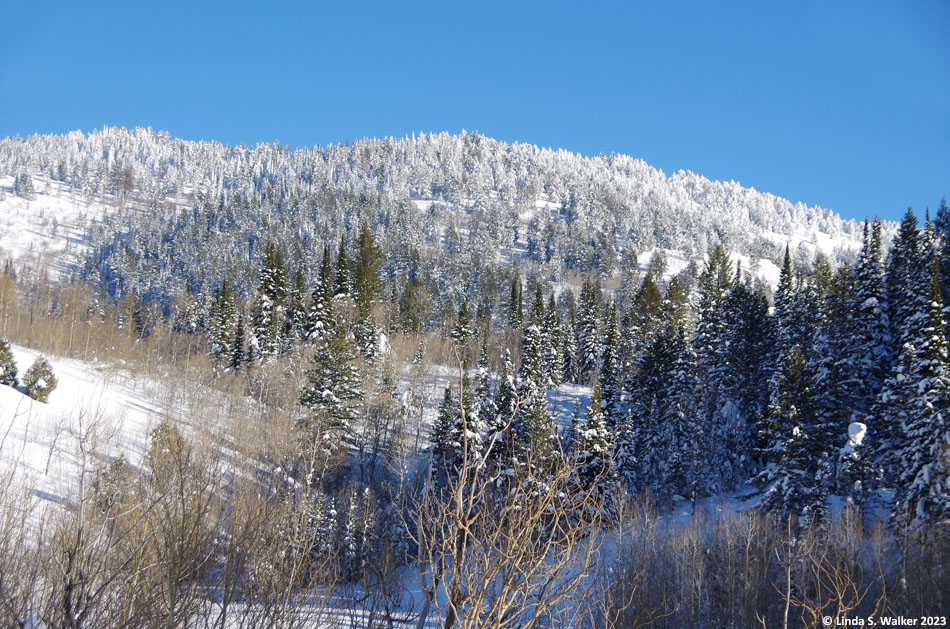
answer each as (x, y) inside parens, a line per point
(155, 216)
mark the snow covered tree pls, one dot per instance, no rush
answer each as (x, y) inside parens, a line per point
(499, 434)
(444, 437)
(588, 333)
(788, 483)
(594, 444)
(8, 371)
(855, 469)
(533, 427)
(461, 332)
(39, 381)
(681, 437)
(343, 278)
(515, 312)
(569, 342)
(554, 346)
(921, 396)
(332, 395)
(610, 375)
(870, 341)
(238, 353)
(269, 308)
(320, 317)
(223, 318)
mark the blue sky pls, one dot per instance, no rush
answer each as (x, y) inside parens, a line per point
(840, 104)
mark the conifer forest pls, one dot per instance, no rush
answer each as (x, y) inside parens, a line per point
(446, 381)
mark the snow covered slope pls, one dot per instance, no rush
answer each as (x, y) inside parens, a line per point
(92, 409)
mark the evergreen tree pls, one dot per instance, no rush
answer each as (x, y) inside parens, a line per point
(461, 332)
(39, 381)
(921, 394)
(869, 340)
(222, 316)
(554, 345)
(588, 333)
(515, 314)
(533, 427)
(367, 284)
(444, 438)
(238, 352)
(296, 324)
(594, 445)
(500, 436)
(332, 395)
(568, 342)
(342, 279)
(269, 312)
(8, 371)
(788, 482)
(683, 468)
(610, 376)
(320, 317)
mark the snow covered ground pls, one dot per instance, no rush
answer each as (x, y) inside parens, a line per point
(91, 409)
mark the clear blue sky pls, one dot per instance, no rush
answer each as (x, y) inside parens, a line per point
(840, 104)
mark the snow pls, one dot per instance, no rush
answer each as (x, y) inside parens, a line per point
(48, 229)
(90, 407)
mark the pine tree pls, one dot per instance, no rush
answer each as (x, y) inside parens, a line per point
(342, 279)
(499, 435)
(461, 332)
(515, 314)
(8, 371)
(922, 389)
(238, 352)
(39, 380)
(683, 469)
(788, 482)
(222, 316)
(594, 445)
(332, 395)
(367, 284)
(720, 412)
(533, 427)
(269, 311)
(870, 333)
(296, 324)
(554, 346)
(444, 438)
(610, 376)
(485, 412)
(320, 317)
(569, 343)
(588, 333)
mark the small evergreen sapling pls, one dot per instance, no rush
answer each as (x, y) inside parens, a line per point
(39, 381)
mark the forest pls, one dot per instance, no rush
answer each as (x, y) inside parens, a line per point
(374, 344)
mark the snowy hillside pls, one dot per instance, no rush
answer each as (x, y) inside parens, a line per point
(96, 409)
(143, 213)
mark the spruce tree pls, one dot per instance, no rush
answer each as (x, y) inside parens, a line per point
(342, 279)
(8, 371)
(554, 346)
(269, 311)
(333, 393)
(588, 333)
(610, 375)
(569, 342)
(594, 444)
(320, 317)
(922, 389)
(788, 482)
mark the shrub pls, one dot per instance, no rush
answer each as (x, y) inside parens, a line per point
(8, 371)
(39, 380)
